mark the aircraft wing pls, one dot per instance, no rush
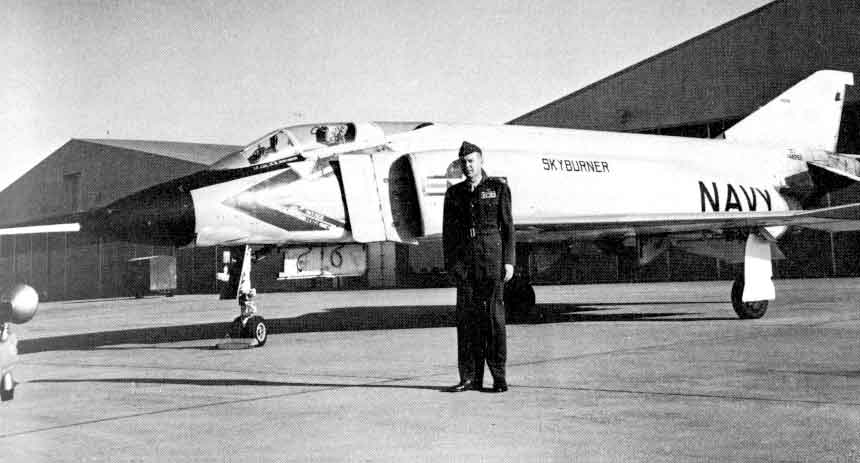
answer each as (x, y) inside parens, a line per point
(837, 219)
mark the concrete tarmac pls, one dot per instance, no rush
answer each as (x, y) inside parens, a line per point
(622, 372)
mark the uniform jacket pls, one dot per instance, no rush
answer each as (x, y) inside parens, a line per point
(478, 229)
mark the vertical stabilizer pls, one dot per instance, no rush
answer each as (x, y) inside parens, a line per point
(804, 117)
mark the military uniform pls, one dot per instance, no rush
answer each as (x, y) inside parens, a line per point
(478, 240)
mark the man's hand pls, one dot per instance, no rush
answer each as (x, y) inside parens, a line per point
(509, 272)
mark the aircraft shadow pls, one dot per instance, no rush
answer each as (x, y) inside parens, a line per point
(626, 303)
(233, 382)
(340, 319)
(567, 313)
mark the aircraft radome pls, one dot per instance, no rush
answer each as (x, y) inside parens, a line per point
(320, 192)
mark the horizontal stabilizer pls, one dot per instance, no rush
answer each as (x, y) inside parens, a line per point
(843, 165)
(32, 229)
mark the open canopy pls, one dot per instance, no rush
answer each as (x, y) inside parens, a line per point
(301, 139)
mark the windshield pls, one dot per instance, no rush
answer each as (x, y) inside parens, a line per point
(273, 146)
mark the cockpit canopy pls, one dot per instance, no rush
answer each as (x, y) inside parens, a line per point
(302, 140)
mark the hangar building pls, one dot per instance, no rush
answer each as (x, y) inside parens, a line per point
(81, 175)
(695, 89)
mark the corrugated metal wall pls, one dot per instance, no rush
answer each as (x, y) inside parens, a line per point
(79, 266)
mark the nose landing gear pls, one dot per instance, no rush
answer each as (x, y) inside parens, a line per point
(248, 329)
(252, 328)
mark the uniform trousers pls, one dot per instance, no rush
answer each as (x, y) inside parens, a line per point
(481, 330)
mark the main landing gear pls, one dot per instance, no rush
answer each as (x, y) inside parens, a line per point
(7, 387)
(746, 310)
(519, 298)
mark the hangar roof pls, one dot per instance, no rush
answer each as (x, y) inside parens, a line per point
(87, 173)
(191, 152)
(724, 73)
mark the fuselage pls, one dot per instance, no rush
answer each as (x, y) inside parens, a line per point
(557, 174)
(291, 196)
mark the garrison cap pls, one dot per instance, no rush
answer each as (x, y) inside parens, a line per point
(467, 148)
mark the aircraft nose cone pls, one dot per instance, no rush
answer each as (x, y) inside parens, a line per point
(19, 304)
(161, 215)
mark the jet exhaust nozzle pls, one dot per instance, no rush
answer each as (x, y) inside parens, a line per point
(19, 304)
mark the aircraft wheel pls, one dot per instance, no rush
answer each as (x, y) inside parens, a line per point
(236, 328)
(746, 310)
(519, 298)
(7, 387)
(257, 329)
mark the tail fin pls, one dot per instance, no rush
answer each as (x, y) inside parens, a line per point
(805, 117)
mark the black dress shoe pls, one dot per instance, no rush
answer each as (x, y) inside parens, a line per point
(461, 387)
(502, 387)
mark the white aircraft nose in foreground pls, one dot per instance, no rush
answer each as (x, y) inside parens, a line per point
(321, 192)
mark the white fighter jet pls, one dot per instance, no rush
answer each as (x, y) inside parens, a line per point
(319, 193)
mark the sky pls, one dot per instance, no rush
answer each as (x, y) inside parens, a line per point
(210, 71)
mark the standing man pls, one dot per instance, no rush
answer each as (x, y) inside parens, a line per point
(478, 239)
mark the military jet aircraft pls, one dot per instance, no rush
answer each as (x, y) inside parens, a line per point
(318, 193)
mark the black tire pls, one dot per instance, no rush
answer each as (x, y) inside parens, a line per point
(236, 328)
(746, 310)
(256, 328)
(519, 298)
